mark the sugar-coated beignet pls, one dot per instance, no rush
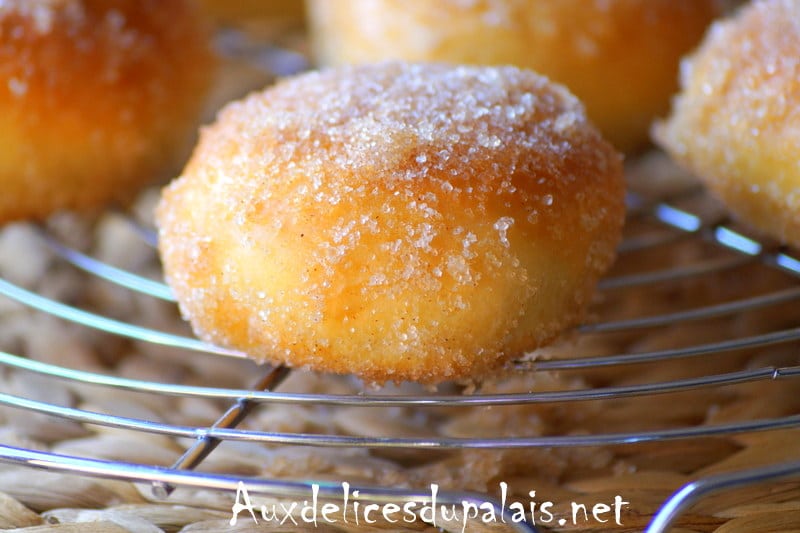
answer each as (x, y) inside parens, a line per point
(395, 221)
(620, 57)
(736, 123)
(96, 98)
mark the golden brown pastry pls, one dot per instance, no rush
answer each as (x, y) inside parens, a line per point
(736, 122)
(96, 97)
(620, 57)
(395, 221)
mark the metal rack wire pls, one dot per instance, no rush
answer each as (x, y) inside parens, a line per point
(680, 223)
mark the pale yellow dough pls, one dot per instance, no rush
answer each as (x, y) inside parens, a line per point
(736, 121)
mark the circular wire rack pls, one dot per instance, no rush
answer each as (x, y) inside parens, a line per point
(665, 222)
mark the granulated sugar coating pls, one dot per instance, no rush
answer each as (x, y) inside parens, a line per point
(620, 57)
(395, 221)
(97, 98)
(737, 121)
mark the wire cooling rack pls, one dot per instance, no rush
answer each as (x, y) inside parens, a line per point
(670, 221)
(672, 224)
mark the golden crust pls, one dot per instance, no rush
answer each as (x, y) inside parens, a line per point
(96, 98)
(736, 123)
(620, 57)
(420, 222)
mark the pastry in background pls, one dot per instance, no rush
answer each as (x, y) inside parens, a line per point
(394, 221)
(620, 57)
(736, 121)
(97, 98)
(242, 11)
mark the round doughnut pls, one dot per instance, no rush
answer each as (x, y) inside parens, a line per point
(620, 57)
(96, 98)
(736, 121)
(394, 221)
